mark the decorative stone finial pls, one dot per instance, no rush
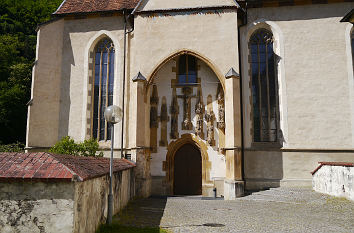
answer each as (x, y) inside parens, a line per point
(139, 78)
(232, 74)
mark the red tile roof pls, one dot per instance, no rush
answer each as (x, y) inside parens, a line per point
(51, 167)
(342, 164)
(89, 6)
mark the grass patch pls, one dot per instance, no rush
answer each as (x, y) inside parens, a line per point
(129, 229)
(337, 200)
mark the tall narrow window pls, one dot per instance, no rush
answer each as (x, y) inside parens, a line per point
(103, 88)
(264, 87)
(187, 70)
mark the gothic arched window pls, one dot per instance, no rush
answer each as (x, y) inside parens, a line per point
(102, 88)
(187, 70)
(264, 87)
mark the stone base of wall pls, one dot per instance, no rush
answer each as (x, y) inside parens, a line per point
(271, 169)
(91, 199)
(233, 189)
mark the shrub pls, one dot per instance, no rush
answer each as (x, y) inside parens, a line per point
(14, 147)
(68, 146)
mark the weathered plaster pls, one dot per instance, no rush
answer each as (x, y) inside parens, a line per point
(36, 207)
(335, 180)
(62, 207)
(91, 199)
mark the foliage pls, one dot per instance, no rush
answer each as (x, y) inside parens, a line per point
(115, 228)
(18, 23)
(68, 146)
(14, 147)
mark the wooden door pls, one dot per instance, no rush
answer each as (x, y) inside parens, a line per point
(187, 171)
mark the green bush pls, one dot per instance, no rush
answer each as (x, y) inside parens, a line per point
(68, 146)
(14, 147)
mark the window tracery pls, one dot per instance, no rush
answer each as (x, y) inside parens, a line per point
(264, 87)
(102, 88)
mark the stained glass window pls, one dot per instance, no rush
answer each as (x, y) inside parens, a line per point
(264, 87)
(187, 70)
(103, 88)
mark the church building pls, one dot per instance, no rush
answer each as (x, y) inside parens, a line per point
(217, 95)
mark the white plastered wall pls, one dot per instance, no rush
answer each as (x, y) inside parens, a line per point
(213, 36)
(80, 38)
(315, 92)
(350, 64)
(43, 113)
(314, 89)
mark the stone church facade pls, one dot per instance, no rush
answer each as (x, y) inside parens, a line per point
(217, 94)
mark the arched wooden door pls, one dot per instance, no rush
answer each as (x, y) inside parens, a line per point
(187, 171)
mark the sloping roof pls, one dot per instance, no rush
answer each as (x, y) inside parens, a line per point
(90, 6)
(44, 166)
(342, 164)
(348, 17)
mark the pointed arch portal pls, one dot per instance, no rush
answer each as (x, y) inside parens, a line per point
(188, 171)
(186, 154)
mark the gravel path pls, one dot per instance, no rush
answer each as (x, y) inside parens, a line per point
(274, 210)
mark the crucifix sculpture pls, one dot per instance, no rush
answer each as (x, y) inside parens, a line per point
(187, 97)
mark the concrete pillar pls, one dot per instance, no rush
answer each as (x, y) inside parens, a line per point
(234, 184)
(140, 151)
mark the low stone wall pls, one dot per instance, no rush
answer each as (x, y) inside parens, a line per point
(62, 207)
(36, 207)
(91, 199)
(335, 179)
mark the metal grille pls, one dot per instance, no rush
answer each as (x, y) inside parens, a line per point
(103, 88)
(264, 87)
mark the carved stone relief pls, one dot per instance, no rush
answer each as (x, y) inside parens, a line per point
(163, 119)
(154, 124)
(174, 111)
(199, 111)
(221, 108)
(187, 96)
(221, 118)
(210, 117)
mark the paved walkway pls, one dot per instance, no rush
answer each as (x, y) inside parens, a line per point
(274, 210)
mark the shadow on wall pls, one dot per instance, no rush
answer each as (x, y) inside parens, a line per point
(305, 12)
(65, 102)
(263, 169)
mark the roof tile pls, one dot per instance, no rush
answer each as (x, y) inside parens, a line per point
(89, 6)
(47, 166)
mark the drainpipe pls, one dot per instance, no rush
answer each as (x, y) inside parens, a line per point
(241, 88)
(123, 104)
(124, 71)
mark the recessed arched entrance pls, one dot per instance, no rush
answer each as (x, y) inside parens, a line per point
(187, 171)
